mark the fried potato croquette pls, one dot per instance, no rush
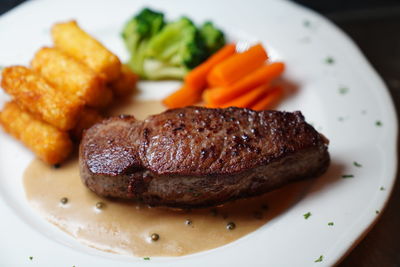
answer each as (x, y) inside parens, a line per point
(69, 75)
(70, 38)
(126, 83)
(47, 142)
(87, 118)
(34, 94)
(106, 98)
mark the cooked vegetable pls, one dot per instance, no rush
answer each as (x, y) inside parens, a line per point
(47, 142)
(137, 33)
(185, 96)
(213, 38)
(176, 49)
(221, 95)
(37, 96)
(106, 98)
(197, 78)
(69, 75)
(170, 53)
(162, 50)
(270, 98)
(248, 98)
(71, 39)
(237, 66)
(126, 82)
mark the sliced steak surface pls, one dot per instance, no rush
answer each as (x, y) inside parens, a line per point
(197, 157)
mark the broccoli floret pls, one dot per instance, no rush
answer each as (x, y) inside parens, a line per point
(213, 38)
(162, 50)
(137, 33)
(176, 49)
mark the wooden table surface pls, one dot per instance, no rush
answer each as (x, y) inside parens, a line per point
(375, 26)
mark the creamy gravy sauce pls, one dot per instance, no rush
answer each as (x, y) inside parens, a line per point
(126, 227)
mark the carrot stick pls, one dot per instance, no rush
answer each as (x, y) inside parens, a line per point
(221, 95)
(249, 98)
(197, 78)
(185, 96)
(206, 97)
(269, 99)
(237, 66)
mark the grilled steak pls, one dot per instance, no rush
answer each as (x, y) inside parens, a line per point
(198, 157)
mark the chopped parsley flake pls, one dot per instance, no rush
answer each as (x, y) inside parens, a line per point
(347, 176)
(146, 258)
(307, 215)
(382, 188)
(31, 258)
(330, 223)
(377, 211)
(319, 259)
(343, 90)
(355, 163)
(329, 60)
(378, 123)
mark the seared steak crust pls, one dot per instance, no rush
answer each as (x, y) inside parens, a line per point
(197, 157)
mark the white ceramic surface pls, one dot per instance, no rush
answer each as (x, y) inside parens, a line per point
(304, 40)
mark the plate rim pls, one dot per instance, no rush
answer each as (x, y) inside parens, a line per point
(367, 68)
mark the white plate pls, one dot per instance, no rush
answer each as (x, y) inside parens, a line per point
(304, 40)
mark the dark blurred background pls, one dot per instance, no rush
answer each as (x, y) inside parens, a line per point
(375, 26)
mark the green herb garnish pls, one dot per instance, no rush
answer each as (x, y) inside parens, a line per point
(307, 215)
(378, 123)
(347, 176)
(377, 211)
(355, 163)
(382, 188)
(330, 223)
(329, 60)
(146, 258)
(31, 258)
(319, 259)
(343, 90)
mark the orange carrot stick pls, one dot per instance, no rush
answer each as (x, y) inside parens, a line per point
(206, 97)
(197, 78)
(221, 95)
(249, 98)
(269, 99)
(237, 66)
(185, 96)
